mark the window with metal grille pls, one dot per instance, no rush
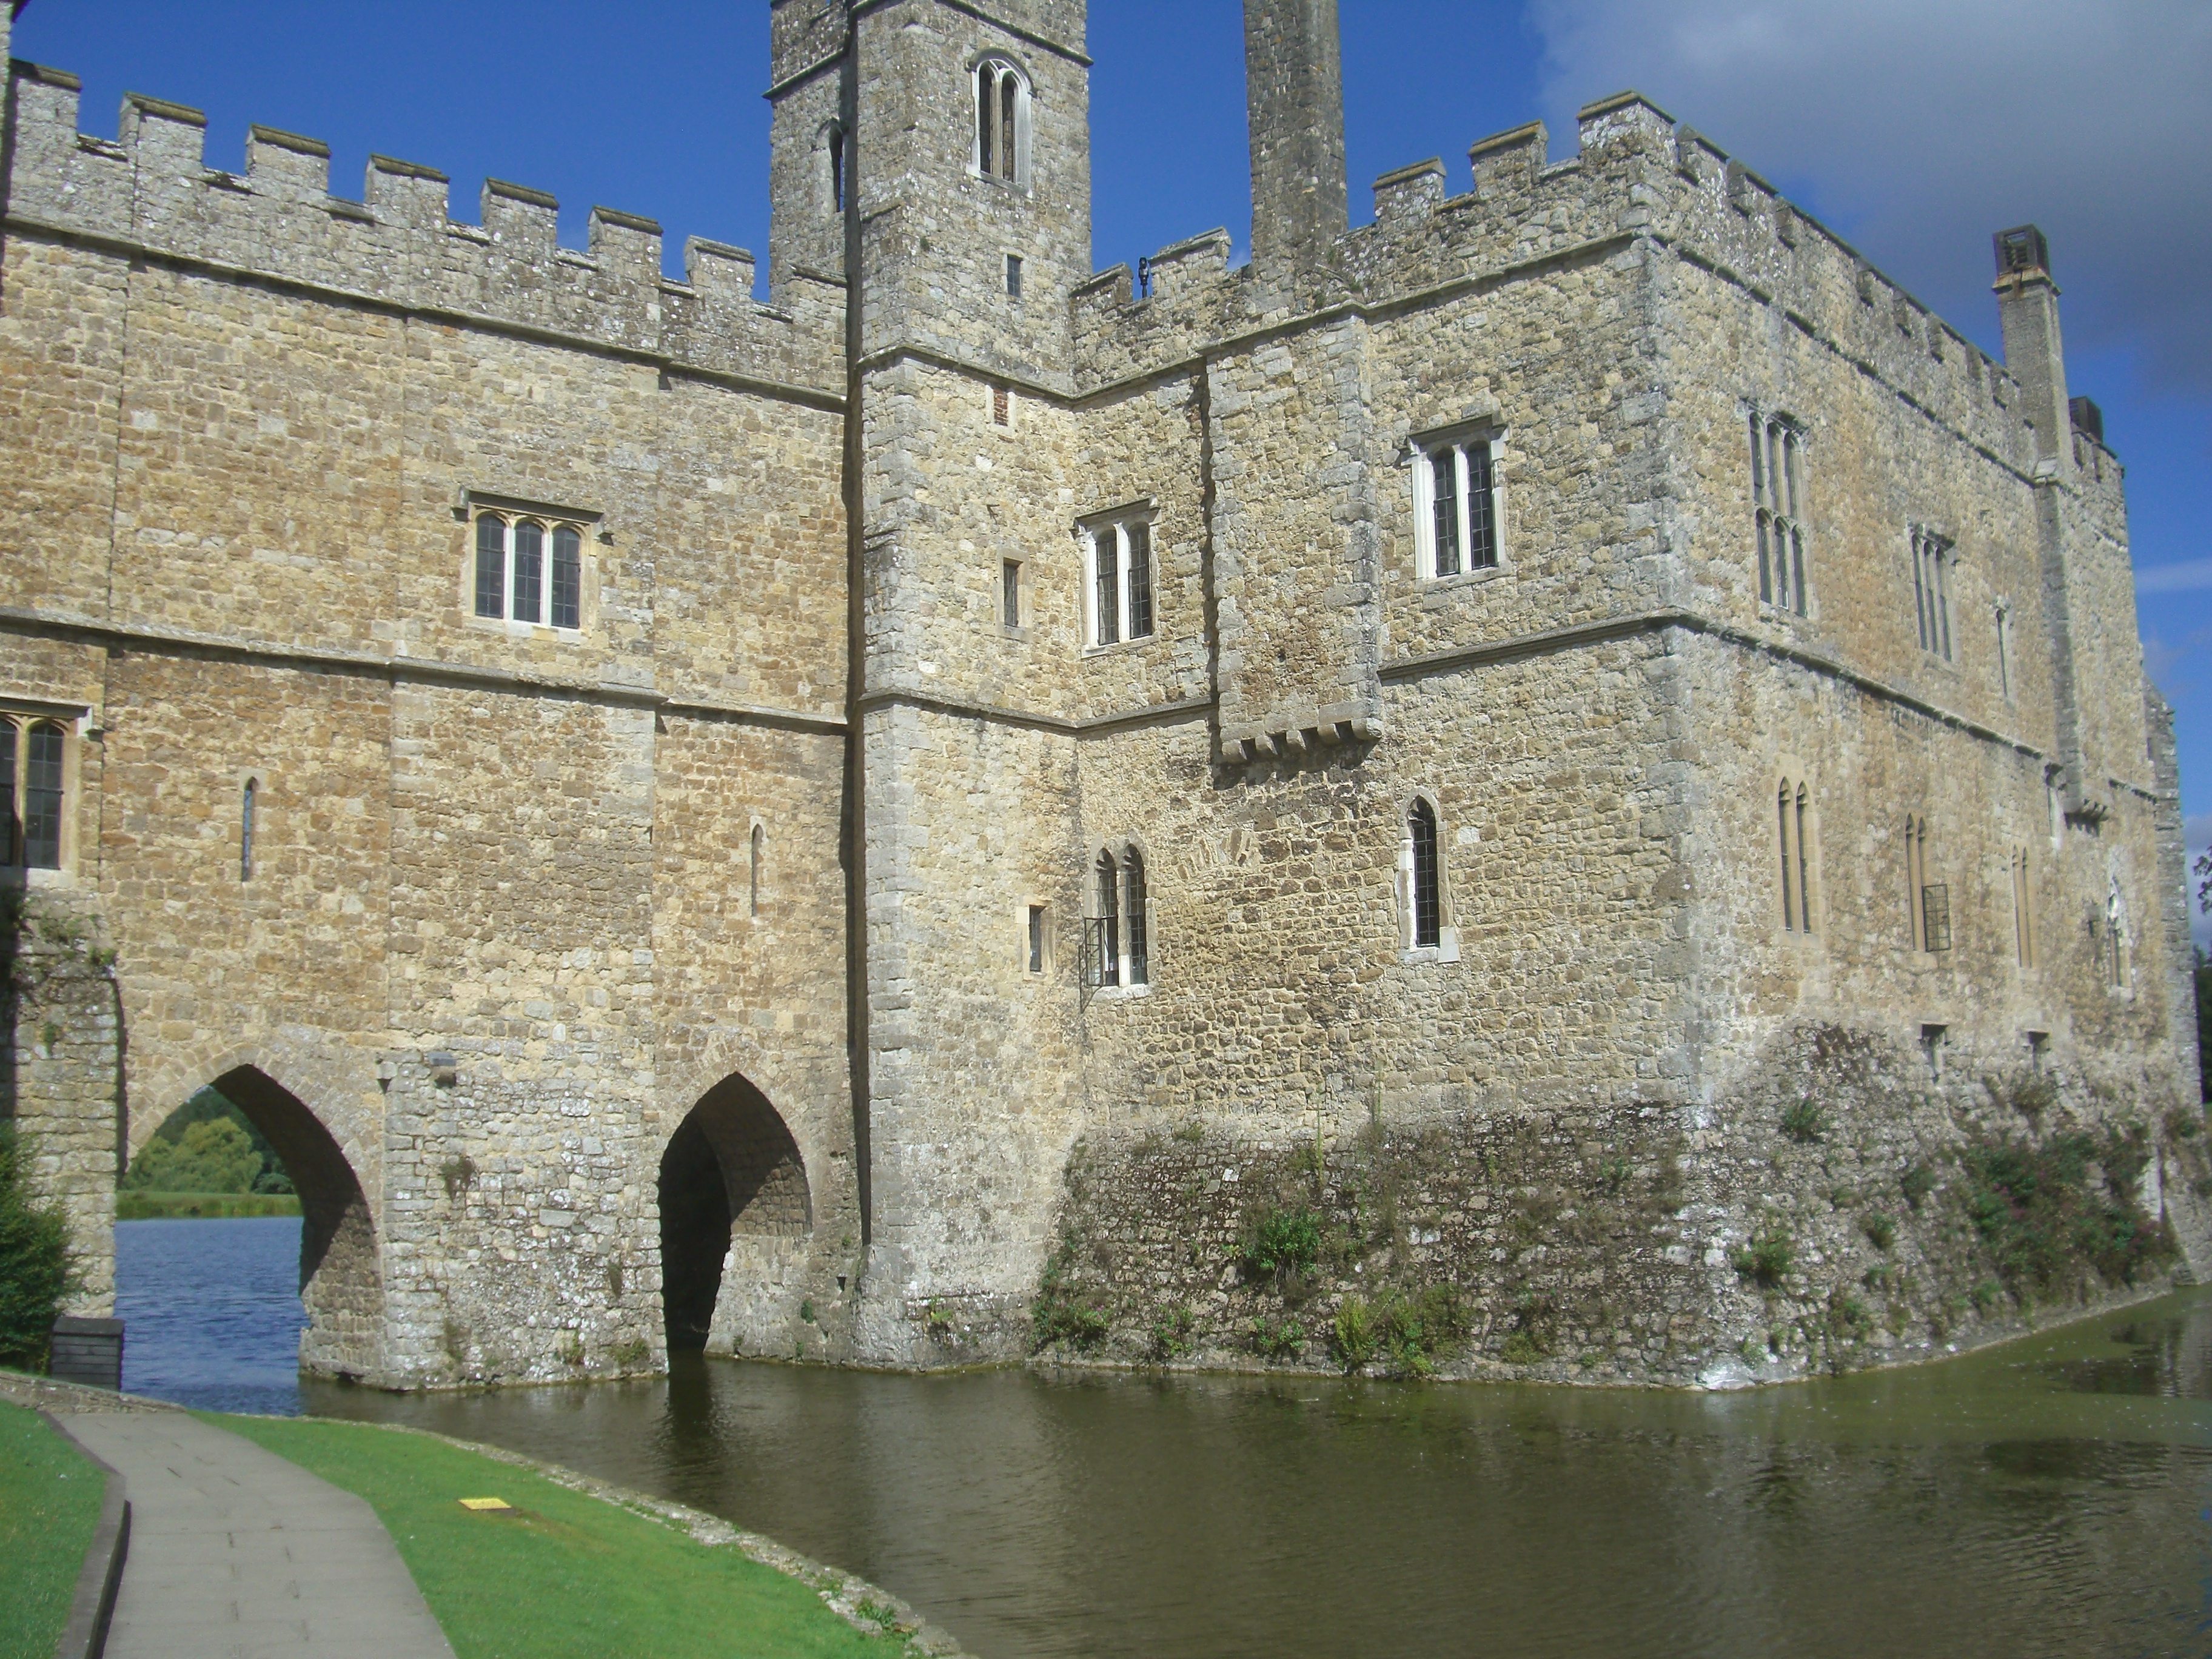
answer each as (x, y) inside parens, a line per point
(511, 571)
(1777, 492)
(1427, 902)
(1117, 555)
(42, 797)
(1013, 275)
(1036, 938)
(251, 795)
(1935, 916)
(1009, 591)
(1455, 516)
(1932, 592)
(1002, 122)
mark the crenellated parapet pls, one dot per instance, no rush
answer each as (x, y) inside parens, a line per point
(151, 192)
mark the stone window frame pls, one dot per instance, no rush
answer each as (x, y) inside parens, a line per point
(251, 785)
(2021, 876)
(1793, 831)
(475, 506)
(1779, 516)
(1462, 439)
(1935, 564)
(831, 158)
(1412, 953)
(1111, 943)
(2116, 949)
(1017, 604)
(1928, 918)
(987, 73)
(1036, 938)
(22, 717)
(2005, 689)
(1118, 520)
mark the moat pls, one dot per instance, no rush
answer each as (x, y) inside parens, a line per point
(2050, 1496)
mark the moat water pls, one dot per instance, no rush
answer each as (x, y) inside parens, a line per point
(2049, 1497)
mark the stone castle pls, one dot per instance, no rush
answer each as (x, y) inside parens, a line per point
(1563, 730)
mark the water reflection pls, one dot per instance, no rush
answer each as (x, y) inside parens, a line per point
(2047, 1497)
(1989, 1505)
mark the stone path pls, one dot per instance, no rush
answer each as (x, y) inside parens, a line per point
(236, 1553)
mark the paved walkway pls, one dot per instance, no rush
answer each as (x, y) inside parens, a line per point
(236, 1553)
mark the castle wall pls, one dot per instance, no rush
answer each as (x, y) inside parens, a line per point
(498, 933)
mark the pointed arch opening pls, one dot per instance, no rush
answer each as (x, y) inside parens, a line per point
(732, 1175)
(244, 1140)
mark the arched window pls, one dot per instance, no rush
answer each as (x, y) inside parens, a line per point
(1140, 952)
(513, 582)
(246, 831)
(759, 848)
(11, 828)
(833, 145)
(1793, 813)
(1427, 902)
(491, 566)
(42, 798)
(1777, 492)
(528, 570)
(568, 577)
(1106, 953)
(1002, 122)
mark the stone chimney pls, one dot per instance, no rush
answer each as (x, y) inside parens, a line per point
(2027, 305)
(1294, 99)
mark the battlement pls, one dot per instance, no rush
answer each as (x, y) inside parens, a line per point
(151, 190)
(1636, 171)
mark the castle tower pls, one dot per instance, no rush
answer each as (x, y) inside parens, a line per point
(1294, 93)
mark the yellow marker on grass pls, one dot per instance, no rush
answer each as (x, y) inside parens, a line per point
(485, 1504)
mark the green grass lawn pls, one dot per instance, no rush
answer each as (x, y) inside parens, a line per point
(566, 1575)
(49, 1509)
(138, 1205)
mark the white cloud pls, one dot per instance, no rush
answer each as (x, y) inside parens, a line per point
(1918, 127)
(2186, 577)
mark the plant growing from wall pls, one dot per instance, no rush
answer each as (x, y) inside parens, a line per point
(2045, 1219)
(1766, 1257)
(1277, 1339)
(1061, 1312)
(1915, 1183)
(1173, 1332)
(1283, 1244)
(1353, 1336)
(1803, 1121)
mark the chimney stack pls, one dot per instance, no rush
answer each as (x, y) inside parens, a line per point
(1294, 100)
(2027, 305)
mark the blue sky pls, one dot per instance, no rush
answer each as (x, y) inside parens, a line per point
(1914, 127)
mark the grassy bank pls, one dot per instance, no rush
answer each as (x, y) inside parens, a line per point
(49, 1509)
(562, 1574)
(170, 1206)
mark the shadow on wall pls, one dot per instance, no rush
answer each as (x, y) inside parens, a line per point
(731, 1167)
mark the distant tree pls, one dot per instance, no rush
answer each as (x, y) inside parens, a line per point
(208, 1106)
(34, 1263)
(213, 1156)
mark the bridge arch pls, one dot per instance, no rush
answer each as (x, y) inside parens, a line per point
(341, 1274)
(736, 1217)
